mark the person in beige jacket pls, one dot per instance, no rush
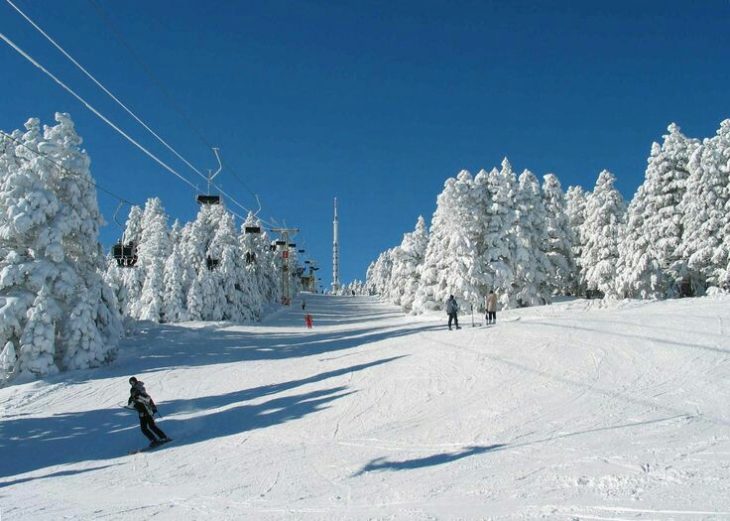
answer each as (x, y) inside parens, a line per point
(490, 304)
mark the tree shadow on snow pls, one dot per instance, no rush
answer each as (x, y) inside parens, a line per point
(53, 475)
(382, 464)
(176, 346)
(32, 443)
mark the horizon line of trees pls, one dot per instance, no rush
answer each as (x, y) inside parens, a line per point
(530, 241)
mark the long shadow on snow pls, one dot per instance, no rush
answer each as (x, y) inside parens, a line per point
(53, 475)
(29, 444)
(181, 347)
(381, 464)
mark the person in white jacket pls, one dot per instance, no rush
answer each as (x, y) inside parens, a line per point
(490, 305)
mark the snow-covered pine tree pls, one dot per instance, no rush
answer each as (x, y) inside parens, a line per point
(706, 211)
(408, 258)
(173, 293)
(55, 311)
(205, 300)
(380, 274)
(498, 259)
(153, 250)
(531, 267)
(450, 253)
(559, 237)
(604, 218)
(575, 207)
(416, 249)
(650, 264)
(638, 273)
(231, 272)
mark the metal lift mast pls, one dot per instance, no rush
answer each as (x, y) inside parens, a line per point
(336, 253)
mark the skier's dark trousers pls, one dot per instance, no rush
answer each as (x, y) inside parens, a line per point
(143, 404)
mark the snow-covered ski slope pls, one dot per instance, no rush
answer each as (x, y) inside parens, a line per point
(576, 411)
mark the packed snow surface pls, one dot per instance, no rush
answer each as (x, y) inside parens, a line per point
(579, 410)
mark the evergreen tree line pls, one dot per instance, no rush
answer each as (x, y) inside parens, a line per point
(530, 241)
(63, 300)
(205, 270)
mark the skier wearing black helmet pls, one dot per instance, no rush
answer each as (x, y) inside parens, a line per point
(145, 406)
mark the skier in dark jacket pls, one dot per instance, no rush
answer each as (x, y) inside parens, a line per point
(452, 309)
(145, 406)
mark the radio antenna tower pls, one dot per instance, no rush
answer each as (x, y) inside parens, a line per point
(335, 253)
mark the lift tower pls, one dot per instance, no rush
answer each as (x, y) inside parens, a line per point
(282, 248)
(336, 253)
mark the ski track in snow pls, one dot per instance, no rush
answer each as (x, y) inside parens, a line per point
(580, 410)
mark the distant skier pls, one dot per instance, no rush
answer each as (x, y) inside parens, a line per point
(452, 309)
(490, 304)
(304, 304)
(145, 406)
(308, 320)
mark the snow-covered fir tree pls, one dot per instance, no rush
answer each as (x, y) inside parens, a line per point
(531, 266)
(205, 299)
(602, 229)
(448, 254)
(559, 251)
(380, 273)
(706, 212)
(639, 273)
(575, 208)
(651, 264)
(407, 261)
(152, 250)
(498, 259)
(56, 312)
(174, 307)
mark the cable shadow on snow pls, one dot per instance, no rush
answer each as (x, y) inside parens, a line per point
(32, 443)
(629, 335)
(593, 389)
(383, 464)
(53, 475)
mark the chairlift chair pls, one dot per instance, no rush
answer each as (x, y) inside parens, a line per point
(211, 263)
(125, 254)
(252, 229)
(209, 199)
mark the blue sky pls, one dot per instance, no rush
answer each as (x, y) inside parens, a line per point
(376, 103)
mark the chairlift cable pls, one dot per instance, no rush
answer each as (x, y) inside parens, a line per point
(105, 119)
(96, 112)
(102, 87)
(104, 17)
